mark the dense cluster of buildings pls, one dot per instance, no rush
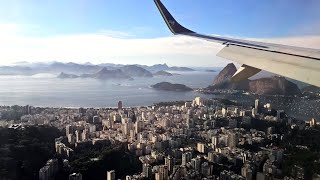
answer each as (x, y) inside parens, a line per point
(202, 139)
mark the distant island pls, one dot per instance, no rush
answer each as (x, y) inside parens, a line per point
(63, 75)
(210, 70)
(162, 73)
(166, 86)
(175, 68)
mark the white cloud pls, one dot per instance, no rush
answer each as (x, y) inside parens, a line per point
(103, 47)
(108, 47)
(8, 29)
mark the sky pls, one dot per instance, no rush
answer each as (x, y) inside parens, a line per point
(133, 32)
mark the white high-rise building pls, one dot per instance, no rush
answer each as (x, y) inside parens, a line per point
(143, 115)
(313, 123)
(242, 113)
(236, 112)
(78, 136)
(268, 106)
(201, 147)
(224, 112)
(69, 129)
(256, 104)
(254, 112)
(215, 140)
(111, 175)
(127, 127)
(198, 101)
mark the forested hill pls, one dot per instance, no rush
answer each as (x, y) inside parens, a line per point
(24, 151)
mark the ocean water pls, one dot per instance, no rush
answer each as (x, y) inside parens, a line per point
(48, 91)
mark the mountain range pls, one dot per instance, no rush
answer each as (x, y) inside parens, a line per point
(25, 68)
(125, 72)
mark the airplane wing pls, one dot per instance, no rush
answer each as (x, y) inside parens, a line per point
(298, 63)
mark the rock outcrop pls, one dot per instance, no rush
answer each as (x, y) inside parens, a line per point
(225, 75)
(273, 86)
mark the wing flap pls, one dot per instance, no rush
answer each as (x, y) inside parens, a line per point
(296, 67)
(244, 72)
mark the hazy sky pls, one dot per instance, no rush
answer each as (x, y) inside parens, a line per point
(132, 31)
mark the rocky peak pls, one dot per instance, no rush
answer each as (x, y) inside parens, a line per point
(226, 74)
(103, 70)
(136, 71)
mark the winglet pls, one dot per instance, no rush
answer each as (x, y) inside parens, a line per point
(173, 25)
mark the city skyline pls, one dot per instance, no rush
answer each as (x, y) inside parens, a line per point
(202, 138)
(119, 32)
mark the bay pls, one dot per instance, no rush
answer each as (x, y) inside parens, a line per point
(46, 90)
(49, 91)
